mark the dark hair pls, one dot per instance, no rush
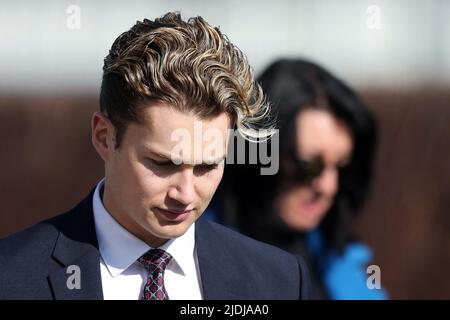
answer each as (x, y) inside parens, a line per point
(188, 64)
(291, 86)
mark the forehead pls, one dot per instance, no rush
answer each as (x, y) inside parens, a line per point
(321, 133)
(160, 117)
(163, 128)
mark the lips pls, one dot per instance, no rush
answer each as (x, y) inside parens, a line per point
(174, 215)
(313, 206)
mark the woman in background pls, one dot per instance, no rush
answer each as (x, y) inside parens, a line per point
(327, 138)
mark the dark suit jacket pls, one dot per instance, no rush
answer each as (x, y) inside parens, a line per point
(34, 262)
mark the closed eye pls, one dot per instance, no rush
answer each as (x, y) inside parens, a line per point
(207, 167)
(202, 169)
(168, 166)
(161, 163)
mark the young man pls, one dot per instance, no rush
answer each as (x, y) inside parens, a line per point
(137, 234)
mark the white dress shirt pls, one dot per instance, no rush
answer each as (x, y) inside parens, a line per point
(123, 277)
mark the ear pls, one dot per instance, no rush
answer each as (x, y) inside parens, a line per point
(103, 135)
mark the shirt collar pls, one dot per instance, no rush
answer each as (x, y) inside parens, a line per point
(119, 248)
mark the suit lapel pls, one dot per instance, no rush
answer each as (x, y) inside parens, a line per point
(217, 270)
(83, 270)
(76, 251)
(77, 246)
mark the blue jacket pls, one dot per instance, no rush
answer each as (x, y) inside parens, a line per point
(344, 276)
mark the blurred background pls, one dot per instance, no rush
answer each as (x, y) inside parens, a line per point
(396, 54)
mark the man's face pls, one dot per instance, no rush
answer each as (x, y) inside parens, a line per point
(145, 191)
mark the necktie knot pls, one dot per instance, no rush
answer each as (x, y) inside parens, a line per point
(155, 260)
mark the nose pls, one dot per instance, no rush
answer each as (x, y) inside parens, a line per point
(182, 187)
(327, 182)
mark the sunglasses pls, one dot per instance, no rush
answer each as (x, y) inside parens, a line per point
(305, 171)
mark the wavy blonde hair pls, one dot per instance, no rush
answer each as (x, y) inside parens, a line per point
(187, 64)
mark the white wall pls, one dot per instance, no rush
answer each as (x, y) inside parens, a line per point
(39, 52)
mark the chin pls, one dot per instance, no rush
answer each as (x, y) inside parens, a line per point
(304, 227)
(307, 223)
(173, 231)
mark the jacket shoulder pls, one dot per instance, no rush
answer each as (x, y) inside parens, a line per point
(36, 240)
(261, 261)
(25, 258)
(240, 242)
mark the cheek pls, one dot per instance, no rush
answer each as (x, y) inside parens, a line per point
(142, 183)
(155, 189)
(207, 185)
